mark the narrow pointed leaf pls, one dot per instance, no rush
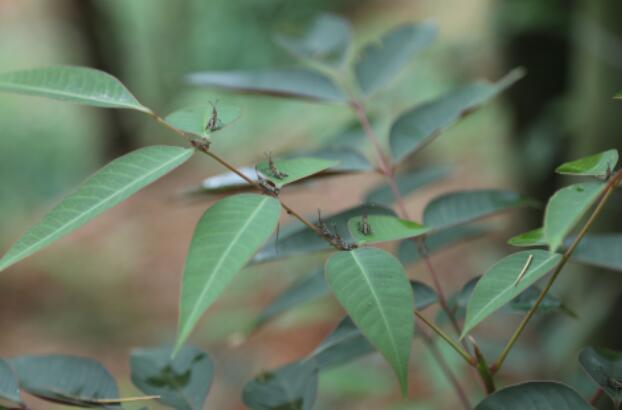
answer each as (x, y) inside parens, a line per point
(182, 383)
(566, 207)
(531, 238)
(383, 228)
(224, 240)
(414, 129)
(406, 184)
(9, 389)
(74, 84)
(381, 62)
(311, 287)
(602, 250)
(291, 387)
(347, 159)
(501, 283)
(293, 169)
(297, 239)
(604, 366)
(347, 343)
(597, 165)
(535, 396)
(292, 83)
(371, 285)
(66, 379)
(325, 40)
(108, 187)
(461, 207)
(195, 120)
(437, 241)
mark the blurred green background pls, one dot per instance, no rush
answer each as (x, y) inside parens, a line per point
(113, 285)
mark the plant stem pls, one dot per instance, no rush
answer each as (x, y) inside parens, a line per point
(484, 372)
(599, 392)
(466, 356)
(440, 360)
(251, 182)
(613, 182)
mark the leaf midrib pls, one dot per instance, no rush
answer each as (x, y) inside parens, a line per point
(528, 274)
(44, 89)
(380, 307)
(99, 203)
(224, 256)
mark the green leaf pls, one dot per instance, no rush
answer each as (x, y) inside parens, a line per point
(347, 343)
(532, 238)
(550, 303)
(372, 287)
(500, 284)
(224, 240)
(381, 61)
(194, 120)
(415, 128)
(346, 159)
(66, 379)
(605, 367)
(618, 95)
(535, 396)
(292, 83)
(461, 207)
(291, 387)
(9, 389)
(108, 187)
(406, 184)
(293, 169)
(566, 207)
(602, 250)
(311, 287)
(408, 252)
(297, 239)
(75, 84)
(597, 165)
(325, 40)
(383, 228)
(182, 383)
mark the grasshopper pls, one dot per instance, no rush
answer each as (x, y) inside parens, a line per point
(274, 170)
(364, 226)
(214, 123)
(268, 186)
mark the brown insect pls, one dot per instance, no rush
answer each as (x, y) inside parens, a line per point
(273, 169)
(201, 144)
(364, 226)
(524, 270)
(214, 123)
(268, 186)
(611, 382)
(321, 225)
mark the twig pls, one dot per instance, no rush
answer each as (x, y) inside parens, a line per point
(613, 182)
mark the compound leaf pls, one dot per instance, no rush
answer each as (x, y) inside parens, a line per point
(383, 228)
